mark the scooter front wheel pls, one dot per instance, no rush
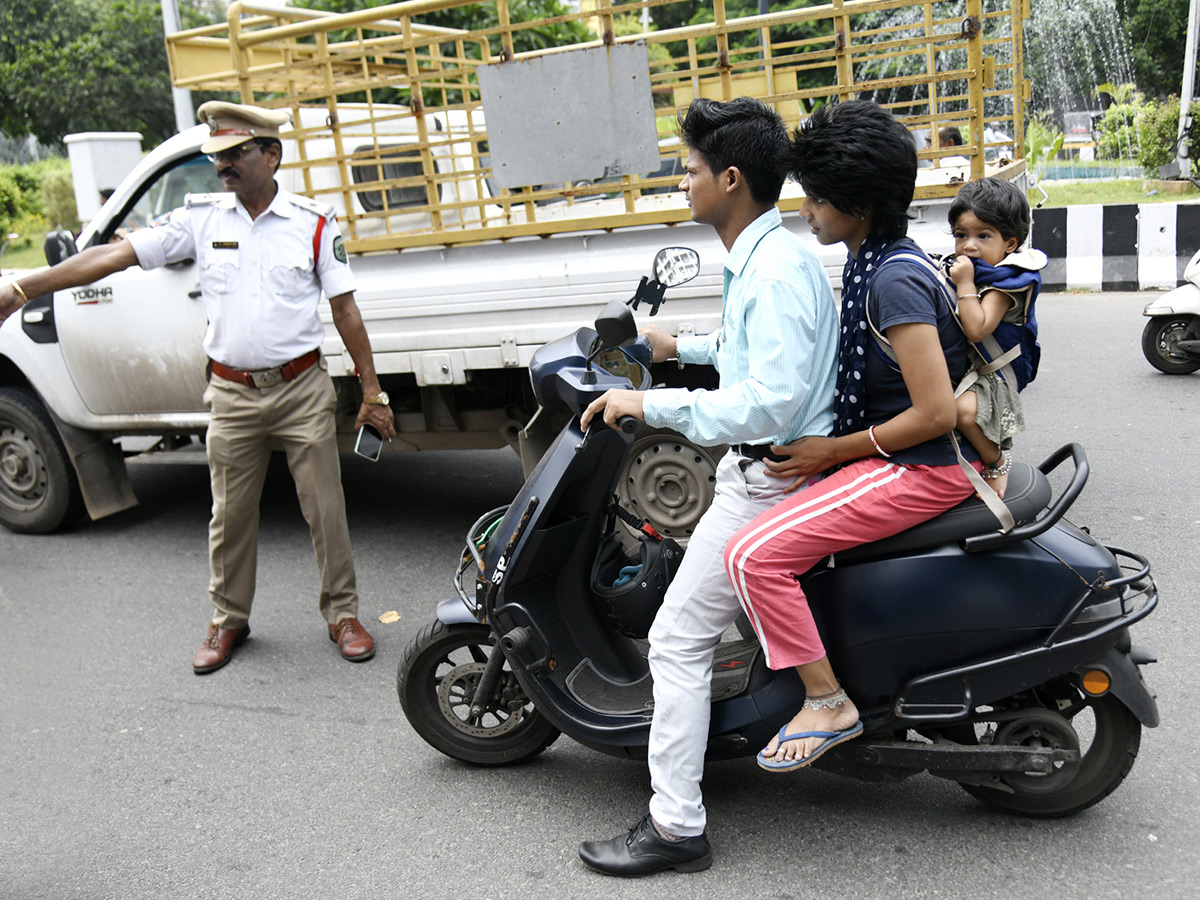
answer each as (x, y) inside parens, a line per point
(436, 682)
(1159, 339)
(1103, 730)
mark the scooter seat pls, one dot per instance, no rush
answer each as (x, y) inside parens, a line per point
(1027, 494)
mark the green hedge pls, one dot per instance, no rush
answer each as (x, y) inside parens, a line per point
(1146, 129)
(10, 202)
(36, 198)
(1159, 125)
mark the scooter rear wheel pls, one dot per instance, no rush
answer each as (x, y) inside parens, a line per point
(1158, 345)
(1105, 732)
(436, 682)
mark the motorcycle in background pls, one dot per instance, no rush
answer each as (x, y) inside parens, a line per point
(1171, 339)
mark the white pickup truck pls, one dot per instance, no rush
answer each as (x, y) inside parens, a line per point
(453, 318)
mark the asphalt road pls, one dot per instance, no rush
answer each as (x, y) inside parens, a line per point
(292, 774)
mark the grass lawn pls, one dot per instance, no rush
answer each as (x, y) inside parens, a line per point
(21, 257)
(1077, 193)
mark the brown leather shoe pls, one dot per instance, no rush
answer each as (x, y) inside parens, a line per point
(218, 647)
(352, 640)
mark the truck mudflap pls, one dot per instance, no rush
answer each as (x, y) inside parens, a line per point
(100, 467)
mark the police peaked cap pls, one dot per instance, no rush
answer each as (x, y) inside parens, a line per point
(230, 124)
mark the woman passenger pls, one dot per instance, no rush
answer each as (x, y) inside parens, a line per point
(894, 464)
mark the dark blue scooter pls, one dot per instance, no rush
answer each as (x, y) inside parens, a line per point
(1000, 661)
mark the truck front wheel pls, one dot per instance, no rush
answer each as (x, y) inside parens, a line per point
(39, 492)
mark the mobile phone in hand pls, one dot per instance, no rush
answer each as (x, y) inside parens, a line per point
(369, 443)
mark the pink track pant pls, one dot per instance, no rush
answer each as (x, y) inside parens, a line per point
(867, 500)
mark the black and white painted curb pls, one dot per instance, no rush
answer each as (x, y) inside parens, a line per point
(1129, 247)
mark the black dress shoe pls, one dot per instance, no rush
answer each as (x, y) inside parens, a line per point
(644, 851)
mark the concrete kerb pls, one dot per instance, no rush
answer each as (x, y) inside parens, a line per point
(1124, 247)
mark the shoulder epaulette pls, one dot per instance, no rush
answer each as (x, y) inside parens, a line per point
(216, 197)
(316, 206)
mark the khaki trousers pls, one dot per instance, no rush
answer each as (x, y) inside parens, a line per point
(298, 414)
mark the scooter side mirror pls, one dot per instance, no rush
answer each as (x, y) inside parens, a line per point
(615, 325)
(676, 265)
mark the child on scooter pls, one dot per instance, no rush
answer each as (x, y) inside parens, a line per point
(997, 283)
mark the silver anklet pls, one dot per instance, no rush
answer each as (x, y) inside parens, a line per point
(832, 700)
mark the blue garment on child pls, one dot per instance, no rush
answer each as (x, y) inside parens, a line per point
(1020, 283)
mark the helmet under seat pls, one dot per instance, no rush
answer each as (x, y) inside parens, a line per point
(630, 588)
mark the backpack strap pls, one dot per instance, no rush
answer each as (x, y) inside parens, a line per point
(1001, 360)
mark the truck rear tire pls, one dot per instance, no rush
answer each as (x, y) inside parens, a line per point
(39, 492)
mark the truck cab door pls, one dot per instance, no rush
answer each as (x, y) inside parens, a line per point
(133, 342)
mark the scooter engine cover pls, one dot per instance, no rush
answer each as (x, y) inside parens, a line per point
(630, 589)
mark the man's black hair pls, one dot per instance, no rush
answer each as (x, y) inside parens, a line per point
(743, 132)
(950, 136)
(995, 202)
(857, 157)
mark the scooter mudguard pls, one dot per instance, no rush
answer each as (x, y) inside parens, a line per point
(1128, 686)
(1184, 300)
(452, 611)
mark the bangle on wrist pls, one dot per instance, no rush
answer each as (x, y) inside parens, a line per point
(965, 296)
(1001, 466)
(17, 288)
(875, 443)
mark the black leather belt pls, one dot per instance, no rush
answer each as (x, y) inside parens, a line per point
(759, 452)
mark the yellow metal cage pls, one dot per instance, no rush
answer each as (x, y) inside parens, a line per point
(933, 63)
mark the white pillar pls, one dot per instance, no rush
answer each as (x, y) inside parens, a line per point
(1185, 92)
(185, 115)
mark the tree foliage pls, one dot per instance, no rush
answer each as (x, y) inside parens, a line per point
(88, 65)
(1157, 32)
(471, 16)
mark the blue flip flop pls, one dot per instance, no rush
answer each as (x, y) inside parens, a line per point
(832, 739)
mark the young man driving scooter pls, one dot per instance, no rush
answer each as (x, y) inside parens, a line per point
(776, 354)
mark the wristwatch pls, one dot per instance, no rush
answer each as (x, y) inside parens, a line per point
(380, 399)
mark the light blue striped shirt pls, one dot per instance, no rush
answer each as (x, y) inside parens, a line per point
(776, 350)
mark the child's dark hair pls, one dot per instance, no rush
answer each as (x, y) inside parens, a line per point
(856, 156)
(995, 202)
(744, 133)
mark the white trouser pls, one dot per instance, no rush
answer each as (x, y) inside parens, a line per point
(700, 605)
